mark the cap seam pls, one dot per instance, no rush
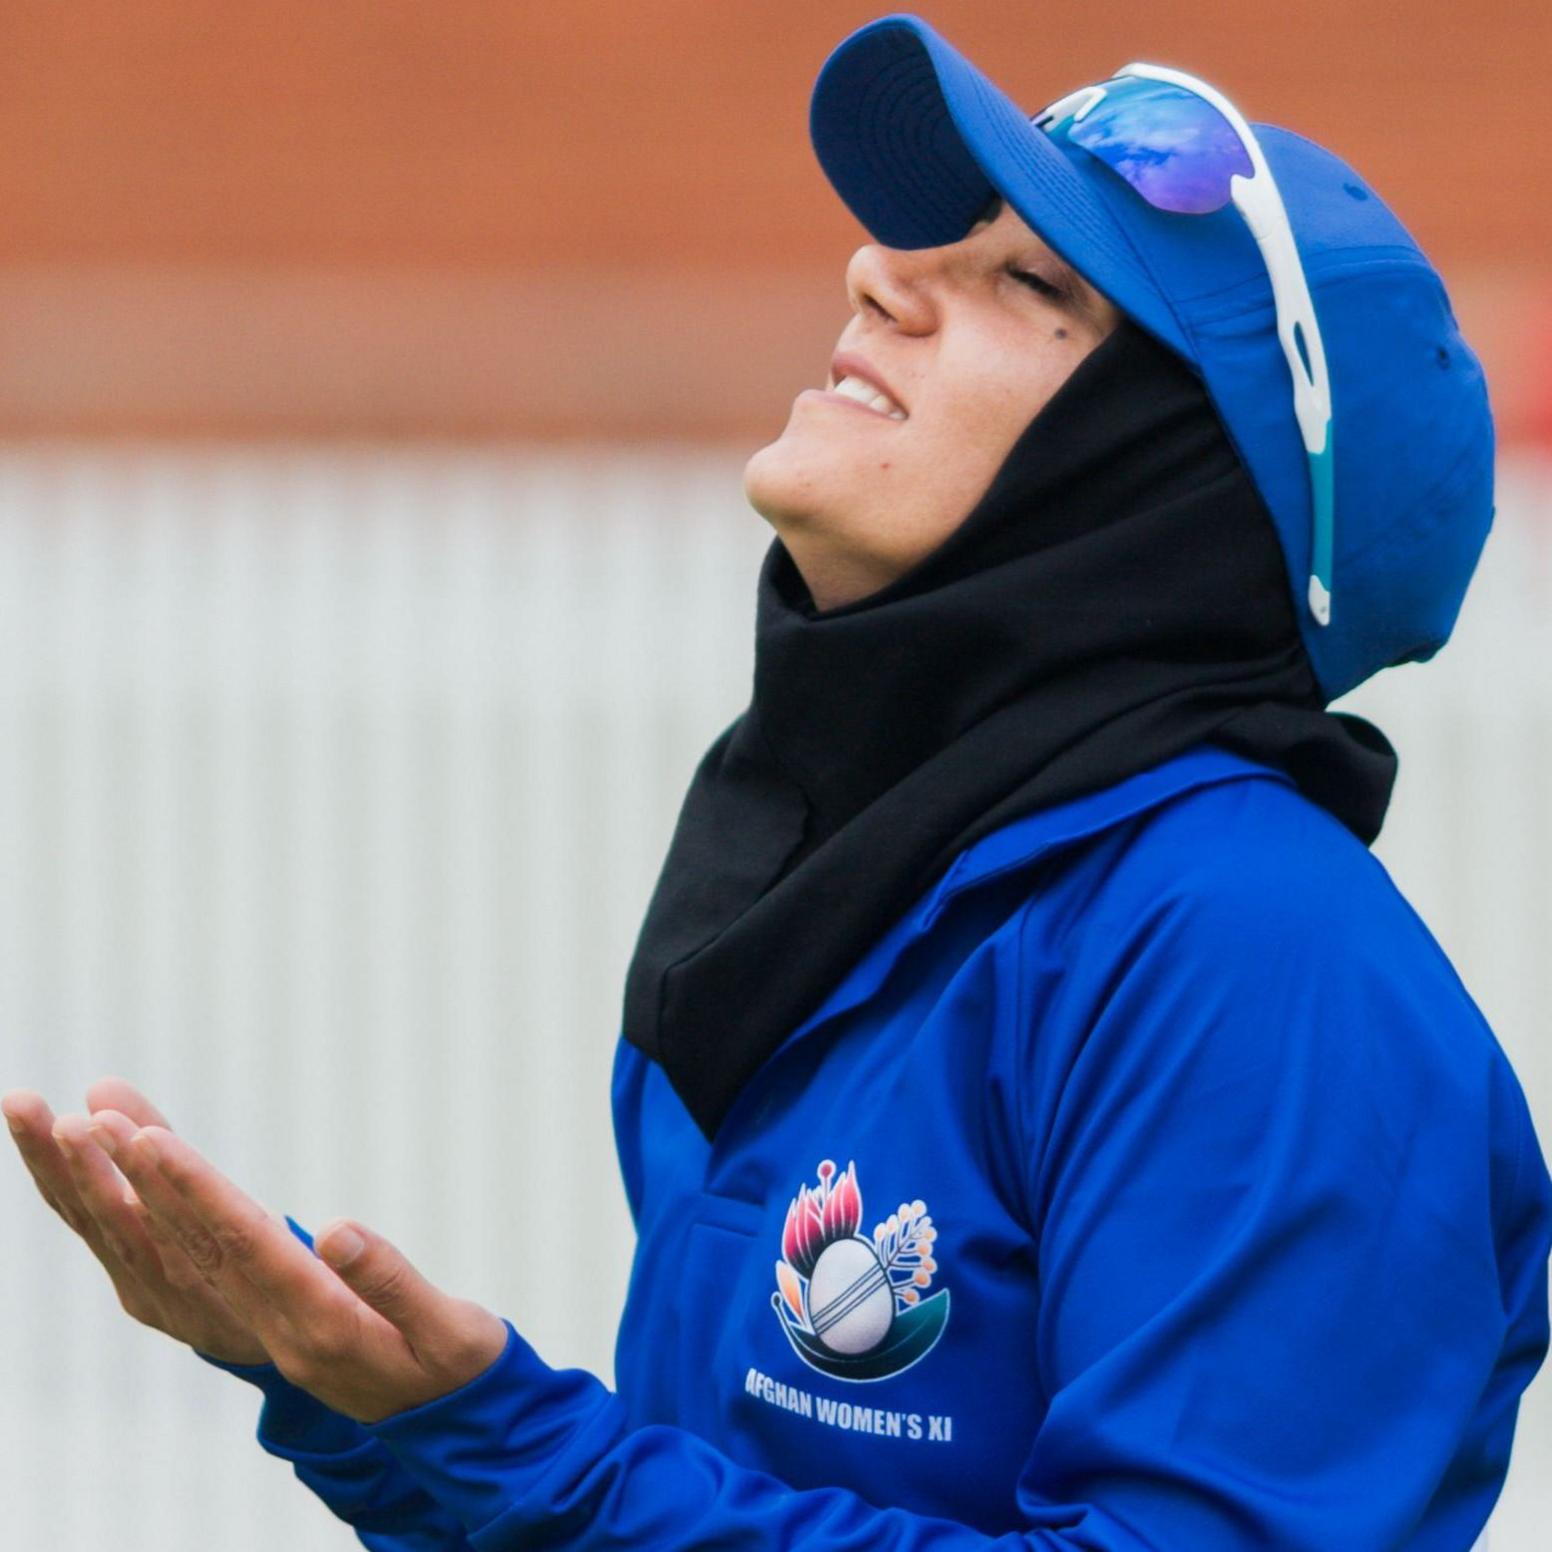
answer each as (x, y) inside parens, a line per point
(1387, 536)
(898, 80)
(1339, 268)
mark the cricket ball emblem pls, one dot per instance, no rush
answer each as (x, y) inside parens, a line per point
(852, 1307)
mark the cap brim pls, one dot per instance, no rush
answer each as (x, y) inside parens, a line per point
(916, 140)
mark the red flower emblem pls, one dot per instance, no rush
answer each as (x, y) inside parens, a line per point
(820, 1217)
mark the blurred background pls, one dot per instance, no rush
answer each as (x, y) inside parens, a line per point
(375, 388)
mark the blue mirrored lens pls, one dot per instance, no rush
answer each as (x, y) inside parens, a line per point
(1173, 147)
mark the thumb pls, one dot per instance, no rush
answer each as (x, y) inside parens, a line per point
(381, 1276)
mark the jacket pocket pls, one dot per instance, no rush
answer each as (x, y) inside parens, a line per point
(714, 1317)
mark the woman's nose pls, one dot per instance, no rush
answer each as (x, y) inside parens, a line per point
(889, 281)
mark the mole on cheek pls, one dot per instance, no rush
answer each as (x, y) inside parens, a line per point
(1061, 334)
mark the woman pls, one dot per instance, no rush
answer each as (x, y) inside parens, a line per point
(1042, 1117)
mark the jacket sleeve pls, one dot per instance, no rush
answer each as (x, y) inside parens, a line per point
(533, 1457)
(1294, 1219)
(1292, 1227)
(333, 1455)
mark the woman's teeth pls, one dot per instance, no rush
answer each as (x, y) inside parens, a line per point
(865, 393)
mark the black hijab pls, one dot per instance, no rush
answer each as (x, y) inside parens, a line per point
(1117, 596)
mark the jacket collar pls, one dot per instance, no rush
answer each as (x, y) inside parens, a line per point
(1017, 844)
(1033, 836)
(1030, 838)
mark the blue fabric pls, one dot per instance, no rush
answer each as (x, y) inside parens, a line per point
(1239, 1229)
(359, 1480)
(915, 140)
(343, 1464)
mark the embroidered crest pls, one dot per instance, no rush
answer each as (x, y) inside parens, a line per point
(853, 1307)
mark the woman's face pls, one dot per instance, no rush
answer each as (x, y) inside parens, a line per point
(968, 352)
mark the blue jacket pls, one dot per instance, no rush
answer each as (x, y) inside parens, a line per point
(1153, 1183)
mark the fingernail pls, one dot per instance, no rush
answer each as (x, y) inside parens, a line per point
(343, 1246)
(104, 1139)
(15, 1125)
(145, 1147)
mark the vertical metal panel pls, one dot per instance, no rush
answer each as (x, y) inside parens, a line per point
(333, 784)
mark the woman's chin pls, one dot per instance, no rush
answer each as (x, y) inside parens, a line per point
(775, 478)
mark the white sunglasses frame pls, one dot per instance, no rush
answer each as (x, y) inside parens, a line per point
(1260, 203)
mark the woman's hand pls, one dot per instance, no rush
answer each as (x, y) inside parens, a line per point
(156, 1282)
(368, 1338)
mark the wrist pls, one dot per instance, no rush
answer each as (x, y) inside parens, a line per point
(293, 1422)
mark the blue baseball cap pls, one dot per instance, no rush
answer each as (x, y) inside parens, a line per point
(916, 141)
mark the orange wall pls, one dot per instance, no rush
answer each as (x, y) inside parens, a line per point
(567, 219)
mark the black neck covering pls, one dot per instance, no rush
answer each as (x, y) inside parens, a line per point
(1117, 596)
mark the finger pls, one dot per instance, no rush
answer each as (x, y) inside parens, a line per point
(121, 1095)
(298, 1310)
(259, 1267)
(52, 1170)
(101, 1191)
(184, 1280)
(179, 1270)
(28, 1116)
(32, 1130)
(381, 1276)
(112, 1131)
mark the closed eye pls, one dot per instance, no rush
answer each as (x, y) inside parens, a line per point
(1036, 283)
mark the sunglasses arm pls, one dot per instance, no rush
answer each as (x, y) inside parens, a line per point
(1259, 203)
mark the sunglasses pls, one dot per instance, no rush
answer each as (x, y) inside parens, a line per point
(1185, 148)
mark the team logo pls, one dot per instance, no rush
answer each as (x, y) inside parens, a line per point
(853, 1307)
